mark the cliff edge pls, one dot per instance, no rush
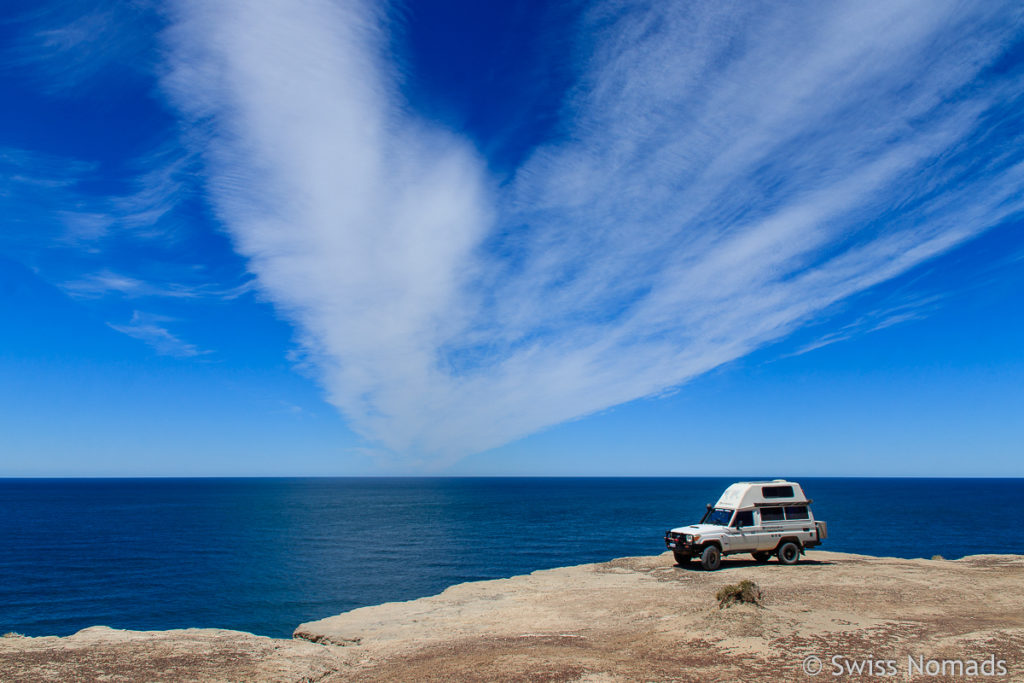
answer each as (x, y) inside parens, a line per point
(636, 618)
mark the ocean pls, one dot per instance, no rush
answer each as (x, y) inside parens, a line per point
(264, 555)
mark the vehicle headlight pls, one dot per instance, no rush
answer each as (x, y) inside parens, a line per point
(689, 537)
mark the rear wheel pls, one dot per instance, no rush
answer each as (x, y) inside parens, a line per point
(761, 556)
(711, 558)
(789, 553)
(683, 558)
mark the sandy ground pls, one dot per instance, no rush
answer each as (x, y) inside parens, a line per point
(634, 619)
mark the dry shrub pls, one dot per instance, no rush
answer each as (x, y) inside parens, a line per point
(745, 591)
(938, 557)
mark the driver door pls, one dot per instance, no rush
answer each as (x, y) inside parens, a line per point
(742, 534)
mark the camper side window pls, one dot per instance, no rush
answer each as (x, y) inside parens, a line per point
(796, 512)
(777, 491)
(771, 514)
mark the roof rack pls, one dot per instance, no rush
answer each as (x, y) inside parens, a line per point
(783, 503)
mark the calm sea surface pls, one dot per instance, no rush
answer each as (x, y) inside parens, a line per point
(264, 555)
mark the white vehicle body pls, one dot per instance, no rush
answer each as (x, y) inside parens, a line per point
(763, 518)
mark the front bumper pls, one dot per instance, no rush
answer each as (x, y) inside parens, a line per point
(678, 543)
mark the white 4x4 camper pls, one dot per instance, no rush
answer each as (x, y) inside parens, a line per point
(763, 518)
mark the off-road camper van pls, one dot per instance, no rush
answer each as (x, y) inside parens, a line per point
(763, 518)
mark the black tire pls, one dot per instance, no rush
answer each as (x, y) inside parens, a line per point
(761, 556)
(683, 558)
(789, 553)
(711, 558)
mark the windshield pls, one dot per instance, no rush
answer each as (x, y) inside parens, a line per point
(719, 516)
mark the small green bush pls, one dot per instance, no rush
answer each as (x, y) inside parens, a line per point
(13, 634)
(745, 591)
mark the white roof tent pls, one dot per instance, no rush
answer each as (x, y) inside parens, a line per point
(749, 494)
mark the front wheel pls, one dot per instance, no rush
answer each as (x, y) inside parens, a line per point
(683, 558)
(761, 556)
(789, 553)
(711, 558)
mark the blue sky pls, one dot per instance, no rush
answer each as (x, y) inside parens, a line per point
(325, 238)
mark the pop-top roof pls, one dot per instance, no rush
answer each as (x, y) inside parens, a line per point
(747, 494)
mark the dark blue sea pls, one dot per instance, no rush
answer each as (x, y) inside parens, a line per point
(264, 555)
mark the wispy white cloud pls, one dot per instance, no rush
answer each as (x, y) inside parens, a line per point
(31, 186)
(908, 310)
(160, 184)
(152, 330)
(71, 44)
(727, 173)
(105, 282)
(108, 282)
(45, 196)
(106, 248)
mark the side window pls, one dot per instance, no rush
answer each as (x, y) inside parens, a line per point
(771, 515)
(744, 518)
(777, 491)
(796, 512)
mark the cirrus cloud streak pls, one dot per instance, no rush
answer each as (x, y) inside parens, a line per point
(725, 175)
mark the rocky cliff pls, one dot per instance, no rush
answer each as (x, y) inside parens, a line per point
(638, 618)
